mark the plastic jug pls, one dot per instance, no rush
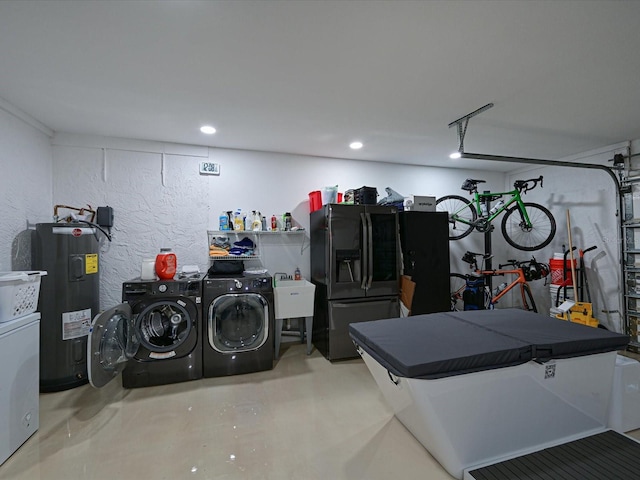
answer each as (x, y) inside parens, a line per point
(166, 264)
(148, 269)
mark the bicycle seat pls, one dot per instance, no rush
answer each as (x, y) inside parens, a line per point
(470, 257)
(470, 184)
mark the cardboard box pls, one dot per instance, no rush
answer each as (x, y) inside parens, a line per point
(419, 203)
(407, 287)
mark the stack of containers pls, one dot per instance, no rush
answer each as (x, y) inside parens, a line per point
(560, 278)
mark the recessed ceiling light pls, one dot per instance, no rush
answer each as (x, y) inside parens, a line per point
(455, 155)
(356, 145)
(208, 129)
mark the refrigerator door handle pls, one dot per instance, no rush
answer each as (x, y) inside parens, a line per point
(370, 250)
(365, 251)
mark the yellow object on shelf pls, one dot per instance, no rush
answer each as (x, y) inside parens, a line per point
(582, 313)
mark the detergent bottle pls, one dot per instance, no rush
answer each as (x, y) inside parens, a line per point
(166, 264)
(238, 222)
(224, 221)
(256, 224)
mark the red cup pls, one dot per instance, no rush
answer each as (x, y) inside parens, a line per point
(315, 200)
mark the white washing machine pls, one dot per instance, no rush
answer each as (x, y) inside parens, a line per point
(19, 382)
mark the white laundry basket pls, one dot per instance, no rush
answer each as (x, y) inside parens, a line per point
(19, 293)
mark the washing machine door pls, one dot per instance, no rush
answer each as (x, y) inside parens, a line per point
(163, 326)
(112, 342)
(238, 322)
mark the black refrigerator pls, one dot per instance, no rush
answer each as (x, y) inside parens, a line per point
(424, 239)
(355, 265)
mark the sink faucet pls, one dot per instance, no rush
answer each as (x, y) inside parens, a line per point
(283, 276)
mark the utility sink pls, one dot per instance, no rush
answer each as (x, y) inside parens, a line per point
(294, 298)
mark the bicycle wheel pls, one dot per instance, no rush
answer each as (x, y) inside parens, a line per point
(518, 235)
(461, 215)
(457, 284)
(527, 299)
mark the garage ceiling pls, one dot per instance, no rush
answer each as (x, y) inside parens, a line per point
(308, 77)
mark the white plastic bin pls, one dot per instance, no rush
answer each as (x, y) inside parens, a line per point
(19, 293)
(624, 410)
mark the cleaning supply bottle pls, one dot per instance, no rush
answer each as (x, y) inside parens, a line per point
(238, 223)
(297, 275)
(166, 264)
(224, 221)
(256, 223)
(274, 223)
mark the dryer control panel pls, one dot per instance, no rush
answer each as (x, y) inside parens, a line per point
(262, 284)
(189, 287)
(257, 284)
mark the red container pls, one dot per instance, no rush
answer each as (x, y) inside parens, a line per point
(557, 267)
(339, 197)
(315, 201)
(166, 264)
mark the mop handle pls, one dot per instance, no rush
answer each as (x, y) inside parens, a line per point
(573, 265)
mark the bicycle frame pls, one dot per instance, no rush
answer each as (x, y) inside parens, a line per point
(492, 299)
(519, 280)
(478, 199)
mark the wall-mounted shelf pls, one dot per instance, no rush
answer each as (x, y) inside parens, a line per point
(255, 232)
(255, 236)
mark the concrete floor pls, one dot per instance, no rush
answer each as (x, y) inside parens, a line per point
(305, 419)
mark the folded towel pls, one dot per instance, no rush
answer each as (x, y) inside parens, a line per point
(245, 242)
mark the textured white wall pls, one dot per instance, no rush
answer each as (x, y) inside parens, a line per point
(150, 214)
(25, 186)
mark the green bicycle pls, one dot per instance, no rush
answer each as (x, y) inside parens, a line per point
(525, 225)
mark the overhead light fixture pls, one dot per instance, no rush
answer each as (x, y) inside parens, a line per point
(455, 155)
(356, 145)
(208, 129)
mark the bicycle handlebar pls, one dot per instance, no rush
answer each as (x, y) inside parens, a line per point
(511, 263)
(518, 263)
(523, 185)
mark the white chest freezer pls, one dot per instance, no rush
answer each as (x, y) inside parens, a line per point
(19, 382)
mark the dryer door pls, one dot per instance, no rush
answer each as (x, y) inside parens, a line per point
(238, 322)
(164, 325)
(112, 342)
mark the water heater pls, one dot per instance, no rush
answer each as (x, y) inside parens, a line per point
(69, 298)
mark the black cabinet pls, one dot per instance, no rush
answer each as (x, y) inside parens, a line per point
(424, 239)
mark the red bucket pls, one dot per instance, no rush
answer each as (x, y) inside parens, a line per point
(315, 201)
(558, 267)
